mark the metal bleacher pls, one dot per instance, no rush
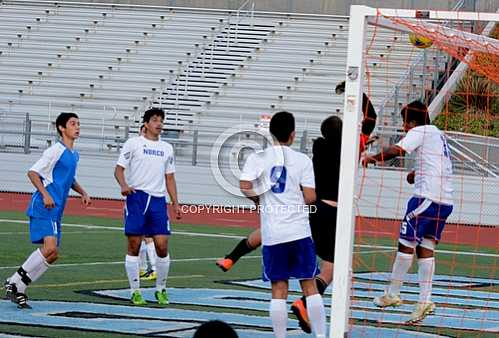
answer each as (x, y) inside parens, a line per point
(209, 69)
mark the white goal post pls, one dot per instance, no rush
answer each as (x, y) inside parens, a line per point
(360, 17)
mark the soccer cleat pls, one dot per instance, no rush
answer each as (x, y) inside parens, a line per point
(10, 290)
(148, 275)
(143, 273)
(300, 311)
(152, 275)
(225, 264)
(421, 311)
(137, 298)
(387, 300)
(21, 300)
(161, 297)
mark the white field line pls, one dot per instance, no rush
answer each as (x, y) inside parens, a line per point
(197, 234)
(104, 281)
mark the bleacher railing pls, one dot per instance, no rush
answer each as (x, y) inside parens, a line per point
(105, 139)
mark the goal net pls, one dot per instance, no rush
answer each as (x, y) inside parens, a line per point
(456, 75)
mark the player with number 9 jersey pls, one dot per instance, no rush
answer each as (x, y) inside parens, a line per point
(282, 172)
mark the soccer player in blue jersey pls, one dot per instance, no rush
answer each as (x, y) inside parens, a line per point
(53, 175)
(149, 163)
(427, 210)
(281, 182)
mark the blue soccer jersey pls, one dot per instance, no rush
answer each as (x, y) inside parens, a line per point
(57, 169)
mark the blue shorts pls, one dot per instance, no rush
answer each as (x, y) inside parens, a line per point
(39, 228)
(288, 260)
(424, 218)
(146, 215)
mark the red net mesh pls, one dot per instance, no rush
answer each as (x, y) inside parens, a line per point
(484, 56)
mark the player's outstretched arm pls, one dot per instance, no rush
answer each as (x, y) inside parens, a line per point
(85, 198)
(171, 188)
(35, 179)
(384, 155)
(119, 174)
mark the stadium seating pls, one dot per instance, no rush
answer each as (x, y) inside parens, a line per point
(208, 69)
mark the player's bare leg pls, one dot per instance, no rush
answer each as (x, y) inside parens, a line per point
(244, 247)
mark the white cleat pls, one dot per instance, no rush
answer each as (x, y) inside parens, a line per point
(421, 311)
(387, 300)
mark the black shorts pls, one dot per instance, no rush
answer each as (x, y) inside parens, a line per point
(323, 226)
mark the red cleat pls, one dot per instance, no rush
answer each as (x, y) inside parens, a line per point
(225, 264)
(300, 311)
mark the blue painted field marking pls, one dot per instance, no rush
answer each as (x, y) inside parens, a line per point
(255, 300)
(223, 298)
(438, 280)
(156, 321)
(472, 297)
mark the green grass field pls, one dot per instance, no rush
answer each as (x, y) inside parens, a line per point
(92, 258)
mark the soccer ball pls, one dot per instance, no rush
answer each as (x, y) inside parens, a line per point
(419, 41)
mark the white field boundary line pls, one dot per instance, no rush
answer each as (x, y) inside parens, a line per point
(197, 234)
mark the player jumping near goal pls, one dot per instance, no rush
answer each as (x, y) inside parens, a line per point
(427, 210)
(53, 175)
(151, 174)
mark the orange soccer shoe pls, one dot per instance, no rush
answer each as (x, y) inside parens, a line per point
(300, 311)
(225, 264)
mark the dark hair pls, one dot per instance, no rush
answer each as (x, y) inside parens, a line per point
(331, 128)
(215, 328)
(340, 88)
(370, 116)
(153, 112)
(62, 120)
(415, 111)
(282, 125)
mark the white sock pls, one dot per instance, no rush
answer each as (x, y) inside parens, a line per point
(162, 269)
(401, 265)
(132, 271)
(317, 315)
(143, 256)
(279, 317)
(34, 266)
(426, 269)
(151, 254)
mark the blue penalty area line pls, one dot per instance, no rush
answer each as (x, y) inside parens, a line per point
(198, 234)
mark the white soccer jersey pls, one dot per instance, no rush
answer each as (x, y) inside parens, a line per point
(278, 173)
(433, 165)
(146, 162)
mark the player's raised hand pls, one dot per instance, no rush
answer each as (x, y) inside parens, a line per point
(126, 190)
(86, 200)
(48, 202)
(368, 160)
(410, 177)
